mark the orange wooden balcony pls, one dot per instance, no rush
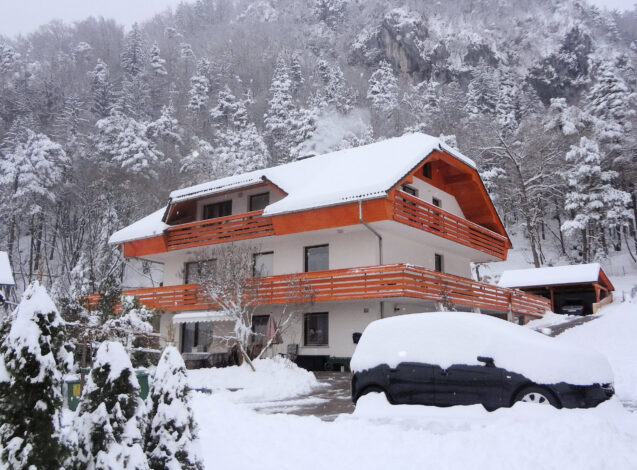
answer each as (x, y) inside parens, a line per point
(372, 282)
(219, 230)
(417, 213)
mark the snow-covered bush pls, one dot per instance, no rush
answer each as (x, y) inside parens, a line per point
(33, 359)
(110, 414)
(171, 431)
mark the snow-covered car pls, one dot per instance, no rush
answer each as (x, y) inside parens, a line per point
(449, 358)
(575, 308)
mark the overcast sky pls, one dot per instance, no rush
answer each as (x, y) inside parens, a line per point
(23, 16)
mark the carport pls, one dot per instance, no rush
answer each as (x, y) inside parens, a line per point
(584, 284)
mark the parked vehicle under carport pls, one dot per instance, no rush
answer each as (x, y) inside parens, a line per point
(446, 359)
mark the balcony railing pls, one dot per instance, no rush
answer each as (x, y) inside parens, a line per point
(372, 282)
(219, 230)
(417, 213)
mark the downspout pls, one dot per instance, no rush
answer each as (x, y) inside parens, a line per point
(380, 246)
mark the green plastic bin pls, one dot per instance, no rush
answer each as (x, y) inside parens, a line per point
(73, 392)
(73, 388)
(142, 378)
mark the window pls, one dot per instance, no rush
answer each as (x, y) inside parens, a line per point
(262, 264)
(438, 260)
(436, 202)
(196, 337)
(316, 329)
(426, 170)
(198, 272)
(217, 209)
(409, 190)
(317, 258)
(259, 326)
(259, 201)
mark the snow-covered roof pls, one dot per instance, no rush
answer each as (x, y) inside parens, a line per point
(359, 173)
(365, 172)
(575, 274)
(6, 274)
(149, 226)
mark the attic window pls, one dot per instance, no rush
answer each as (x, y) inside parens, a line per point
(426, 170)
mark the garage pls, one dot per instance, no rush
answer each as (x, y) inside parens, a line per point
(576, 290)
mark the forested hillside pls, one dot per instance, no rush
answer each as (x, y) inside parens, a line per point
(98, 123)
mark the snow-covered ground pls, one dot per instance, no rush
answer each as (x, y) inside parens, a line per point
(380, 436)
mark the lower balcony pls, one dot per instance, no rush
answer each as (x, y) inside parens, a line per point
(372, 282)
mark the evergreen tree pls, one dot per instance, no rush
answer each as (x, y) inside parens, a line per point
(281, 115)
(383, 94)
(33, 360)
(593, 202)
(101, 90)
(126, 144)
(110, 414)
(171, 432)
(133, 57)
(156, 62)
(199, 87)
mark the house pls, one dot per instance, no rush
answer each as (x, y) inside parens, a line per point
(378, 230)
(7, 283)
(583, 284)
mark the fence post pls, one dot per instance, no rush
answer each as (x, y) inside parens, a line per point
(510, 312)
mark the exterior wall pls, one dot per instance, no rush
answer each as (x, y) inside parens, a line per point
(427, 192)
(398, 249)
(240, 199)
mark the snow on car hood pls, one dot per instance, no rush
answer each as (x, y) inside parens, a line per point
(447, 338)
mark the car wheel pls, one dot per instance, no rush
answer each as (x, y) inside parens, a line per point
(537, 395)
(373, 389)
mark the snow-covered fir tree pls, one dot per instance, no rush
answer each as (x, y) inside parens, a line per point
(171, 431)
(595, 204)
(125, 142)
(156, 62)
(110, 417)
(33, 359)
(102, 95)
(200, 87)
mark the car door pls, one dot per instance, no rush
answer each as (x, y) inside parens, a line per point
(412, 383)
(463, 384)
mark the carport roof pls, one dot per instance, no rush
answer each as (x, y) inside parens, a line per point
(556, 275)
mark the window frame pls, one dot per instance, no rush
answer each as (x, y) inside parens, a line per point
(305, 257)
(254, 263)
(405, 188)
(212, 262)
(207, 208)
(436, 202)
(252, 196)
(427, 171)
(197, 340)
(306, 318)
(439, 263)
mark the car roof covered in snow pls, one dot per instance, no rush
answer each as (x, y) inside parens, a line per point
(6, 274)
(447, 338)
(553, 275)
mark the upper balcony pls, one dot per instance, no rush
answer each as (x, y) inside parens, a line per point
(371, 282)
(404, 208)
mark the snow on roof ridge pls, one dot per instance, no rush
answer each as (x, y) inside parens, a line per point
(551, 275)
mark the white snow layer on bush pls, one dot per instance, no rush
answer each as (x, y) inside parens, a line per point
(25, 332)
(274, 379)
(446, 338)
(113, 354)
